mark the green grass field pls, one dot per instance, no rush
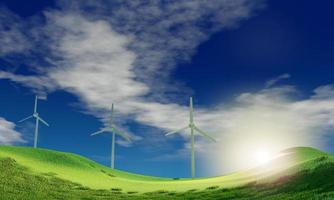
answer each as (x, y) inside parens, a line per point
(27, 173)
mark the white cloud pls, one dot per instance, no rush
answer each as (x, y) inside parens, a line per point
(324, 92)
(8, 134)
(123, 51)
(96, 64)
(39, 85)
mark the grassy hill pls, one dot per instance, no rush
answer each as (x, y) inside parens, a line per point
(27, 173)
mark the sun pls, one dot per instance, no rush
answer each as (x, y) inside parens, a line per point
(262, 157)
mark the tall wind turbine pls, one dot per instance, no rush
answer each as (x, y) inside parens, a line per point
(111, 128)
(192, 128)
(38, 118)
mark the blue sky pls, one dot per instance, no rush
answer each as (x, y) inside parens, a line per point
(260, 73)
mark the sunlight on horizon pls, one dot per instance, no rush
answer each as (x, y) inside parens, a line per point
(258, 135)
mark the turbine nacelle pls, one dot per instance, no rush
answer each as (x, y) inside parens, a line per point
(195, 129)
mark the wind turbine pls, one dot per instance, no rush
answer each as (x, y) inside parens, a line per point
(38, 118)
(192, 128)
(111, 128)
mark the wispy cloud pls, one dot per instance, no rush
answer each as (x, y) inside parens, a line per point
(123, 51)
(11, 27)
(8, 134)
(273, 81)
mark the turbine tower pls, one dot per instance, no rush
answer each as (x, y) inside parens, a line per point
(111, 128)
(38, 118)
(192, 128)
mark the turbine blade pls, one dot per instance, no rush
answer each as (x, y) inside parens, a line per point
(26, 118)
(204, 134)
(43, 121)
(111, 115)
(177, 131)
(122, 134)
(191, 110)
(35, 107)
(98, 132)
(112, 110)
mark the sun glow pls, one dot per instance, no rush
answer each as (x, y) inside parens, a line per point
(262, 157)
(255, 136)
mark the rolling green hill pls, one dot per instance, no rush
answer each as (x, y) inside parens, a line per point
(28, 173)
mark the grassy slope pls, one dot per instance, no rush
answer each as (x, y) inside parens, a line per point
(51, 168)
(88, 173)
